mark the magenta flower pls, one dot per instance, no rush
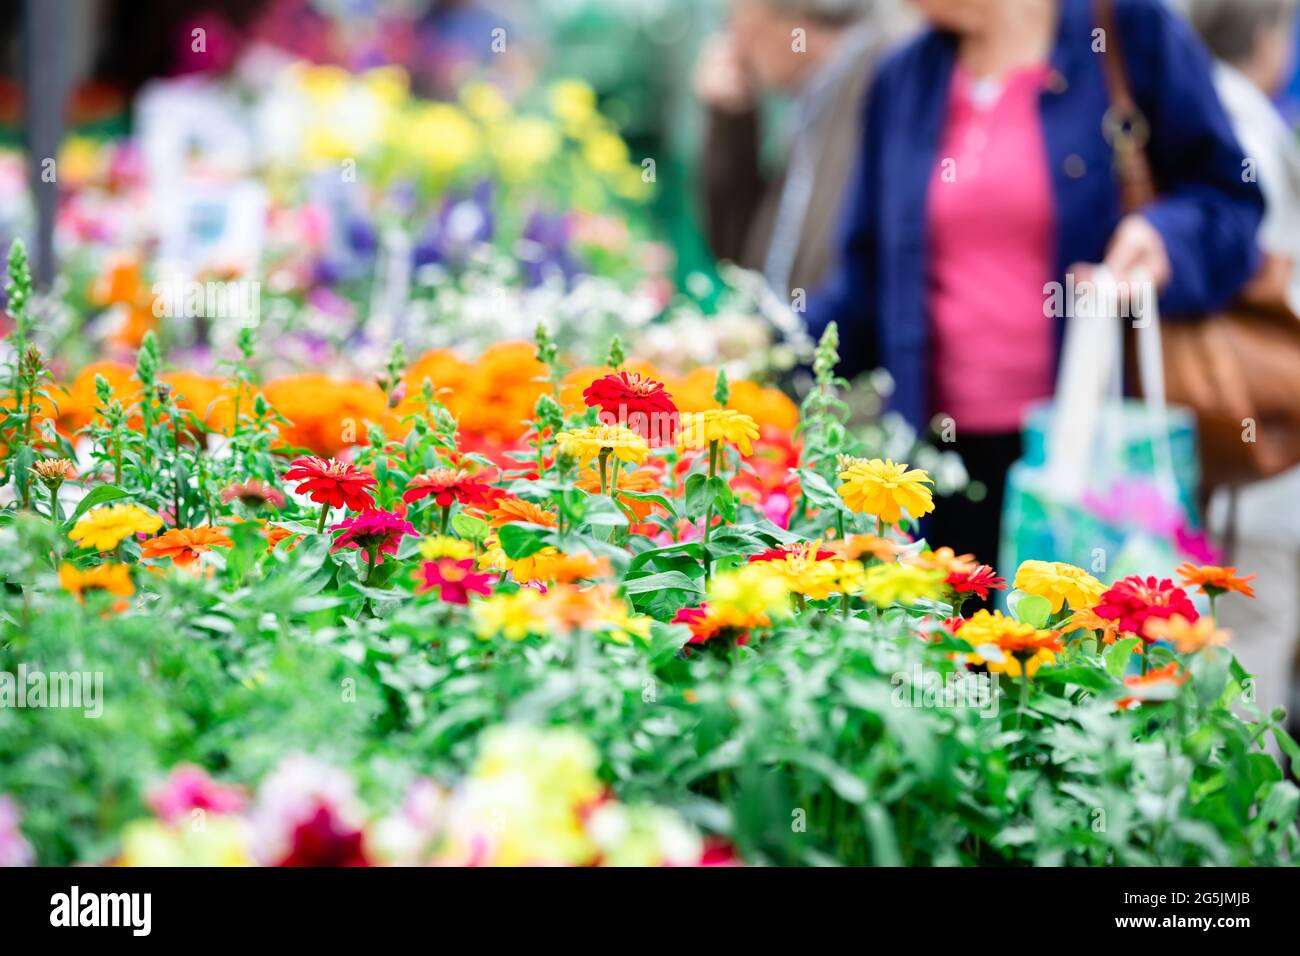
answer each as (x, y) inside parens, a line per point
(454, 580)
(190, 788)
(375, 532)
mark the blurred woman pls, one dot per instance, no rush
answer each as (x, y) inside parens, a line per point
(820, 53)
(985, 176)
(1253, 41)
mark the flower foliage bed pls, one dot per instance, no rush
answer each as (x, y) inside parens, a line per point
(605, 646)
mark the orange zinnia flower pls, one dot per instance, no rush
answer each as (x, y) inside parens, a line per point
(185, 545)
(1189, 636)
(1159, 684)
(512, 510)
(1086, 619)
(1213, 581)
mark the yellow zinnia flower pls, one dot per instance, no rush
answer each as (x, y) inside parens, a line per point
(886, 584)
(512, 616)
(884, 489)
(586, 444)
(1060, 583)
(103, 529)
(701, 429)
(441, 546)
(752, 590)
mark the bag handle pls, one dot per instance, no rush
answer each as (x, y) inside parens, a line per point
(1090, 383)
(1124, 124)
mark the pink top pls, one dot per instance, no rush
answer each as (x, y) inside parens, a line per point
(992, 236)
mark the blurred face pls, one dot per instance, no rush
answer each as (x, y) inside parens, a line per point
(764, 38)
(1272, 59)
(958, 16)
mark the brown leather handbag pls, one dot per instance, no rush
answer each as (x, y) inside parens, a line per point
(1238, 370)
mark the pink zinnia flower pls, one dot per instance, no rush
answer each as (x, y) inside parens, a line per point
(375, 532)
(190, 788)
(454, 580)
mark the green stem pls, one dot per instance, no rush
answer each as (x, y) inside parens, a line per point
(604, 477)
(324, 512)
(708, 513)
(55, 516)
(446, 517)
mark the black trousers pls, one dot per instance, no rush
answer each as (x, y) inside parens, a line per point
(974, 526)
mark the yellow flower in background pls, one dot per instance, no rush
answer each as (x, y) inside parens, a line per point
(103, 529)
(512, 616)
(325, 84)
(573, 103)
(388, 84)
(440, 546)
(82, 159)
(1005, 645)
(808, 571)
(441, 138)
(606, 152)
(222, 841)
(1059, 583)
(525, 799)
(886, 584)
(586, 444)
(885, 490)
(485, 102)
(751, 591)
(621, 626)
(111, 578)
(700, 429)
(520, 147)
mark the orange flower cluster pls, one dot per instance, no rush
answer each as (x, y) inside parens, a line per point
(491, 397)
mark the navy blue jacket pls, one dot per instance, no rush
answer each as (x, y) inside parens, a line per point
(1207, 213)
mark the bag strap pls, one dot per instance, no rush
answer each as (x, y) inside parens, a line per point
(1124, 125)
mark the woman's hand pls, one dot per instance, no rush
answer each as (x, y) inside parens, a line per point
(721, 81)
(1137, 252)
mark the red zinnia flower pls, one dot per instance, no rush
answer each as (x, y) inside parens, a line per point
(372, 531)
(338, 484)
(448, 485)
(790, 550)
(639, 403)
(453, 579)
(1133, 601)
(322, 839)
(979, 581)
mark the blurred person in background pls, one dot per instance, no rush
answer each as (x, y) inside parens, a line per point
(781, 222)
(983, 177)
(1254, 43)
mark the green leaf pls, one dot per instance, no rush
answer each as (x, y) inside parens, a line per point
(520, 539)
(1118, 654)
(654, 499)
(818, 491)
(1029, 608)
(663, 581)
